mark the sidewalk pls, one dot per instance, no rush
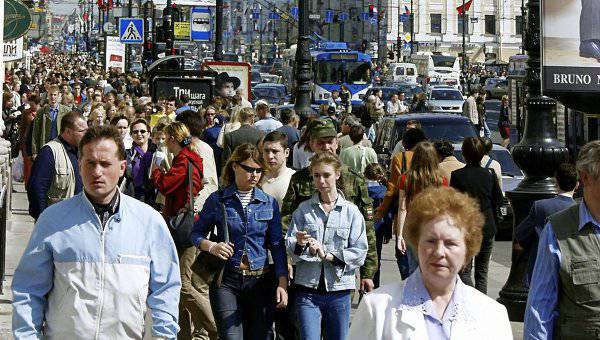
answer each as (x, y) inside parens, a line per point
(19, 228)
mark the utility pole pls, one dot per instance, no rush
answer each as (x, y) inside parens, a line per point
(303, 67)
(218, 53)
(168, 28)
(260, 37)
(128, 46)
(464, 47)
(412, 26)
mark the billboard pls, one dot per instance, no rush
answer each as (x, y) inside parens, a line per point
(199, 91)
(13, 50)
(570, 48)
(115, 54)
(200, 25)
(231, 76)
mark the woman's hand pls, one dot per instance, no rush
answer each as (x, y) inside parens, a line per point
(401, 245)
(302, 238)
(281, 296)
(221, 250)
(316, 249)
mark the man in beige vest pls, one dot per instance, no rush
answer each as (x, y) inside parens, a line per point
(564, 294)
(55, 175)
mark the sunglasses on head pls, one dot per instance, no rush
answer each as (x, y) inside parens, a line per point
(250, 169)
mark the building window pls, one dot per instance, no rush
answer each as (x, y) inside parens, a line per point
(461, 24)
(490, 24)
(519, 24)
(436, 23)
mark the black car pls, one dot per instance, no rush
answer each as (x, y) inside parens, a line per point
(409, 89)
(454, 128)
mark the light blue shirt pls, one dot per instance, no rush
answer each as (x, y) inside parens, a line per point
(268, 124)
(416, 295)
(542, 302)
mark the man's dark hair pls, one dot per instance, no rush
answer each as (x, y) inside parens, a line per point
(97, 133)
(193, 120)
(172, 99)
(286, 116)
(488, 145)
(414, 122)
(356, 133)
(277, 136)
(443, 148)
(412, 137)
(184, 99)
(34, 98)
(566, 177)
(473, 150)
(68, 121)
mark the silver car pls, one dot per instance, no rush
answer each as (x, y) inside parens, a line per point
(445, 99)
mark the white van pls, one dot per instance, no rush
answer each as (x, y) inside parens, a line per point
(402, 72)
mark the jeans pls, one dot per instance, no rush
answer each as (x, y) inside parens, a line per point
(195, 314)
(243, 306)
(486, 130)
(332, 308)
(407, 263)
(482, 262)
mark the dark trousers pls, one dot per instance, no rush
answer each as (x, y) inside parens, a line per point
(482, 262)
(243, 306)
(286, 320)
(589, 20)
(379, 234)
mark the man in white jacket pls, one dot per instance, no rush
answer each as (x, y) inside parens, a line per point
(96, 262)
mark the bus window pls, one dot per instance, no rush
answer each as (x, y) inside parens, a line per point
(358, 73)
(328, 72)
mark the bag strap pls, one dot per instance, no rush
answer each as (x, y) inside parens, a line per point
(190, 181)
(225, 224)
(489, 162)
(403, 169)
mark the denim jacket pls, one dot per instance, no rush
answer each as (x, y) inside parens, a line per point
(253, 230)
(342, 234)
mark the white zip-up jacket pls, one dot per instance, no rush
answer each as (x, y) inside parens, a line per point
(77, 280)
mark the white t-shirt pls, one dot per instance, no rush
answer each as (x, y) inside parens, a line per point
(277, 186)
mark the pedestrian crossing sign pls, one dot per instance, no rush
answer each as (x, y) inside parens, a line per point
(131, 30)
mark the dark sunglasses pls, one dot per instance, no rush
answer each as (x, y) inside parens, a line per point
(139, 131)
(250, 169)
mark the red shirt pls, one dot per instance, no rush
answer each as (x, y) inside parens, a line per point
(173, 185)
(402, 185)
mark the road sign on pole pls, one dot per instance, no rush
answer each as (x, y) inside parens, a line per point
(200, 19)
(131, 30)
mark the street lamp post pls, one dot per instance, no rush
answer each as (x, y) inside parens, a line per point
(303, 67)
(218, 53)
(538, 154)
(412, 27)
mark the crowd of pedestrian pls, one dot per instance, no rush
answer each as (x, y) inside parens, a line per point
(226, 222)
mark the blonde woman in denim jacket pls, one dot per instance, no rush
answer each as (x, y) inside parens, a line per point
(328, 242)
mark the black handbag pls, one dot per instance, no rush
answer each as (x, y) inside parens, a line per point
(210, 263)
(183, 223)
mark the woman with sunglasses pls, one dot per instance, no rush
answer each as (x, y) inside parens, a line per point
(243, 302)
(139, 159)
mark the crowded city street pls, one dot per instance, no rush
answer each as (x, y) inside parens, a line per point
(299, 170)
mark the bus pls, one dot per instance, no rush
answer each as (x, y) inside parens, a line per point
(333, 65)
(437, 68)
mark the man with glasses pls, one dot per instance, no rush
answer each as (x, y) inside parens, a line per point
(170, 107)
(55, 176)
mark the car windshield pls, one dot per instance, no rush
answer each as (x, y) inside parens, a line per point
(455, 131)
(409, 90)
(270, 92)
(446, 95)
(507, 164)
(443, 61)
(256, 78)
(328, 72)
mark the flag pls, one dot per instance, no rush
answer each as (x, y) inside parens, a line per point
(406, 10)
(467, 5)
(110, 4)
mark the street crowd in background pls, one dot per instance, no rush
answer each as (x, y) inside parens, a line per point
(232, 223)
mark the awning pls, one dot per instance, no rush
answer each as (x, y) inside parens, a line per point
(195, 3)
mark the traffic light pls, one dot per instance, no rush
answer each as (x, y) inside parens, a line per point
(371, 10)
(147, 55)
(391, 54)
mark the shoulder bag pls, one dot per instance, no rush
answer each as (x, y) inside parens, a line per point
(183, 223)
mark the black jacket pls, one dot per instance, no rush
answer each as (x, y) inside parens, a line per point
(482, 185)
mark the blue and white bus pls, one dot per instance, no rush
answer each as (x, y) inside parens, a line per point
(334, 65)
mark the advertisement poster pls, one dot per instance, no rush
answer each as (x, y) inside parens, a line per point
(13, 50)
(115, 54)
(570, 46)
(199, 91)
(231, 76)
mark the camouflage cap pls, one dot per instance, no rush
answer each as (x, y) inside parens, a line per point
(322, 128)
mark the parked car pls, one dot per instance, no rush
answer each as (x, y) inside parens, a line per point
(454, 128)
(275, 94)
(445, 99)
(497, 89)
(255, 78)
(270, 78)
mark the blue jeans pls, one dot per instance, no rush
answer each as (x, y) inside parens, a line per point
(332, 307)
(243, 306)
